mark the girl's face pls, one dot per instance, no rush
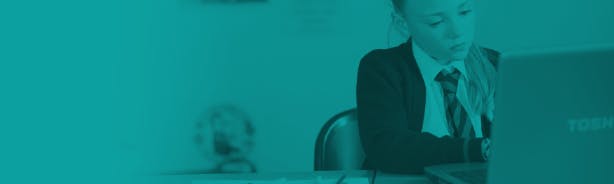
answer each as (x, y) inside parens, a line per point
(442, 28)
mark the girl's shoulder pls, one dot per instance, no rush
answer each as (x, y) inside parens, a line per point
(387, 59)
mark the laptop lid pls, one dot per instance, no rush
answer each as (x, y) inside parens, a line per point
(554, 117)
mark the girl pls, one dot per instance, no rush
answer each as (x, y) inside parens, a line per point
(429, 100)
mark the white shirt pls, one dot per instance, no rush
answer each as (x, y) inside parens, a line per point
(435, 121)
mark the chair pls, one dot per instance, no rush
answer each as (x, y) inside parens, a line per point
(338, 145)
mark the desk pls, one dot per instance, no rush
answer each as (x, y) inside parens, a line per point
(381, 178)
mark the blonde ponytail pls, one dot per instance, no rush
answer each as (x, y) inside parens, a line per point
(482, 77)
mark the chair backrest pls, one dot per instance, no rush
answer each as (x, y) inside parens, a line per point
(338, 145)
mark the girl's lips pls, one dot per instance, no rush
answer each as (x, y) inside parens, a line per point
(460, 46)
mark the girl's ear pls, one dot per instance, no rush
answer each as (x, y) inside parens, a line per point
(398, 20)
(400, 23)
(398, 31)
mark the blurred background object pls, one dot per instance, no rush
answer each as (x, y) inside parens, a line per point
(225, 137)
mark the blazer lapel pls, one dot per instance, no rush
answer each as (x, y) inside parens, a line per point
(415, 88)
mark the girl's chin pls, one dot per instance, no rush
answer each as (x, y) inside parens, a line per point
(461, 55)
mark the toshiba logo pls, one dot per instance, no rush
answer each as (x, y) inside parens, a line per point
(590, 124)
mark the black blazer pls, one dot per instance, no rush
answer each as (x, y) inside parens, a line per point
(390, 99)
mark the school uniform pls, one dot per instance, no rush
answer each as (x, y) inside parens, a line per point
(406, 111)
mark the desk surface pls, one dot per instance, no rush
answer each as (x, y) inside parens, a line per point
(381, 178)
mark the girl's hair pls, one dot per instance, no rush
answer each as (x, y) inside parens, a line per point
(397, 24)
(482, 75)
(480, 70)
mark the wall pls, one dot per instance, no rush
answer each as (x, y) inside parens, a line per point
(256, 56)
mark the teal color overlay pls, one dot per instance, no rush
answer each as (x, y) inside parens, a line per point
(111, 91)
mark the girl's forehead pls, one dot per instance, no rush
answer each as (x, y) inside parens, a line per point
(431, 7)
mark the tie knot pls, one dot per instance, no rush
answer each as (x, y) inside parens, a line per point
(448, 80)
(448, 75)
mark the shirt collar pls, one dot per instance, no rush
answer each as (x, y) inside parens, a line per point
(431, 68)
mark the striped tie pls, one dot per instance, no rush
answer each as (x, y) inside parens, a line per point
(456, 115)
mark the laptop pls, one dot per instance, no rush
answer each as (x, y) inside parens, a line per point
(554, 120)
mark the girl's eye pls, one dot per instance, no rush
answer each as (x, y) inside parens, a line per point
(435, 24)
(465, 12)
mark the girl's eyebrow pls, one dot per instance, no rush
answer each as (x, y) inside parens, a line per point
(463, 4)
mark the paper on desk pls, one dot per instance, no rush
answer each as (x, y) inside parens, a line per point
(362, 180)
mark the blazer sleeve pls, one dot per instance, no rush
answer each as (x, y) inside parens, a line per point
(388, 142)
